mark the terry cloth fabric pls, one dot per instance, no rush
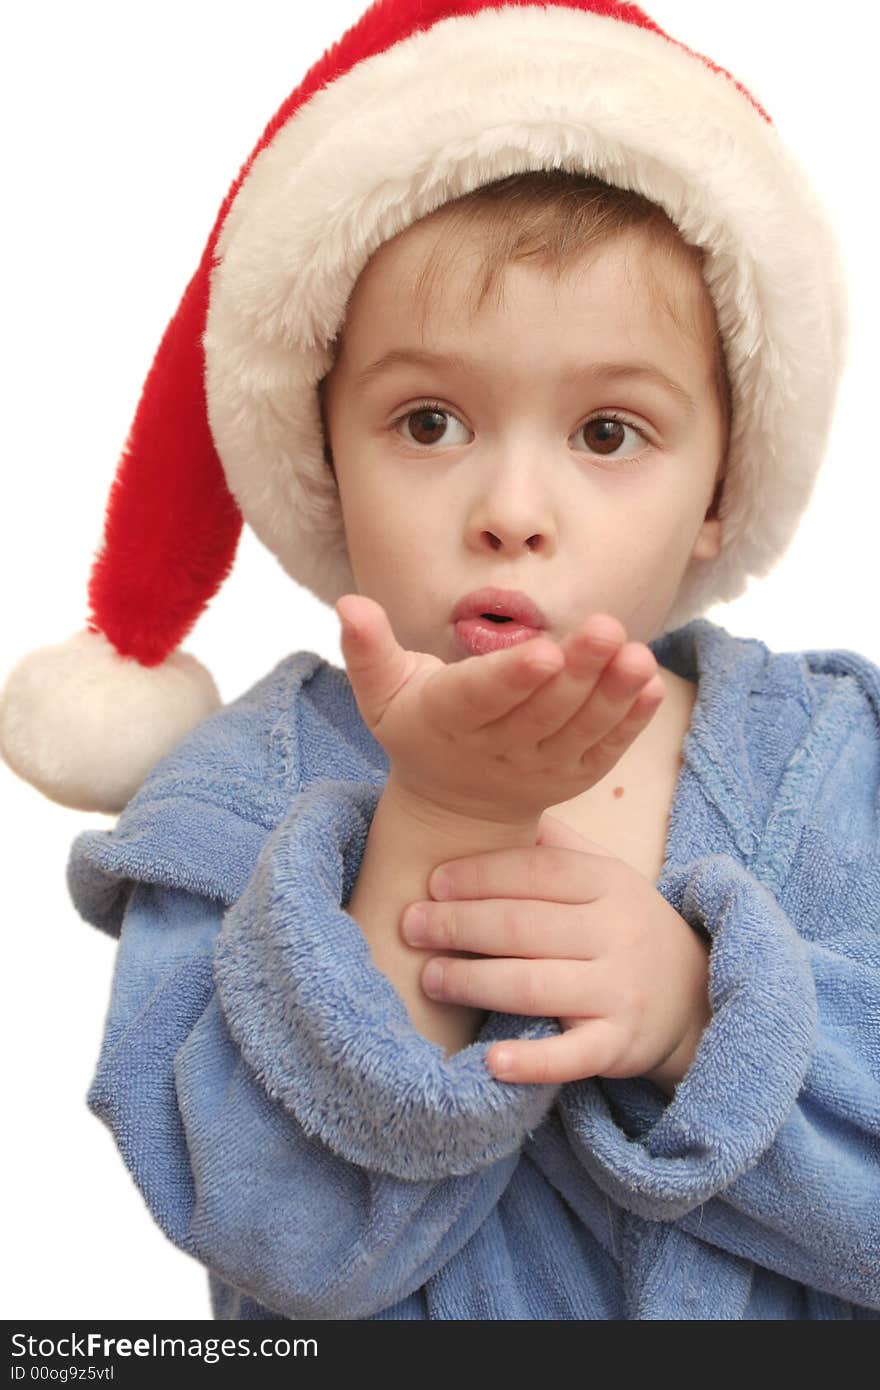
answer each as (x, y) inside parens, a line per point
(288, 1127)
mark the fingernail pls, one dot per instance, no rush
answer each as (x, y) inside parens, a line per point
(348, 628)
(415, 925)
(603, 632)
(440, 885)
(432, 978)
(502, 1063)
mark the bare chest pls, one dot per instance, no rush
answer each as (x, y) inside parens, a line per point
(628, 812)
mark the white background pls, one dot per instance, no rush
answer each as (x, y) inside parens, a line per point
(123, 128)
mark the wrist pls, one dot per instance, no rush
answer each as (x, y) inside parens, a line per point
(452, 832)
(674, 1067)
(407, 839)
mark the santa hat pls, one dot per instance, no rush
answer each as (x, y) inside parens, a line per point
(419, 102)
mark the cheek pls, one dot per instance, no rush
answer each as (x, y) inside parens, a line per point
(665, 504)
(385, 536)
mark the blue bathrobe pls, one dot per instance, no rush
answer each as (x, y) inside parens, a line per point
(289, 1128)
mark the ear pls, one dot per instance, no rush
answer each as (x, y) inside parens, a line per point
(708, 542)
(325, 428)
(555, 832)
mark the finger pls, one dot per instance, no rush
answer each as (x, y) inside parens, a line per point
(377, 665)
(501, 927)
(546, 988)
(602, 756)
(554, 831)
(587, 652)
(475, 692)
(614, 699)
(537, 871)
(581, 1052)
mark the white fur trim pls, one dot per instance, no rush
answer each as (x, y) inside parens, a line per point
(513, 89)
(85, 725)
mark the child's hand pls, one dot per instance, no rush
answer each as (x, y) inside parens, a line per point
(573, 933)
(500, 737)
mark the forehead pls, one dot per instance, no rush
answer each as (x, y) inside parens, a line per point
(624, 303)
(625, 296)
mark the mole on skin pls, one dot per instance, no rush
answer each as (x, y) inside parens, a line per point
(618, 792)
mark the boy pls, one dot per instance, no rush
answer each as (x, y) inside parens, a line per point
(289, 1122)
(492, 501)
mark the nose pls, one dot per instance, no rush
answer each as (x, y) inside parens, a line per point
(513, 513)
(512, 543)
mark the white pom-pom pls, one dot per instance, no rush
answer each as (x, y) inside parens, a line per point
(85, 725)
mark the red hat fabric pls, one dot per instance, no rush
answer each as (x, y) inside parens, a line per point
(228, 426)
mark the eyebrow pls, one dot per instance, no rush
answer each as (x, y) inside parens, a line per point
(599, 371)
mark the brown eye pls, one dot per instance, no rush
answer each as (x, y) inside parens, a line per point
(428, 424)
(428, 427)
(605, 435)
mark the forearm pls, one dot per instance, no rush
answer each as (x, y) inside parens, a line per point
(406, 841)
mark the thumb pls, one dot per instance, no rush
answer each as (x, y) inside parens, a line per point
(556, 832)
(376, 663)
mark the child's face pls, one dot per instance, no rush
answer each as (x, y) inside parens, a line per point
(519, 483)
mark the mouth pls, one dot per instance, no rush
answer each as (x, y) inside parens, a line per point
(493, 619)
